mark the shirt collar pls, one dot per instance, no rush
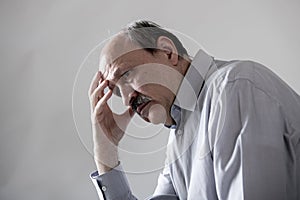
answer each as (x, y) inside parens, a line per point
(190, 88)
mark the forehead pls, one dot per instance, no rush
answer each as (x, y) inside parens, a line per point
(113, 69)
(116, 54)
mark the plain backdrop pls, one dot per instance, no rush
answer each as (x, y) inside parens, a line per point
(43, 43)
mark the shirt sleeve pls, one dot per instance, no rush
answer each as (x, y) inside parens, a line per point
(164, 183)
(246, 129)
(113, 185)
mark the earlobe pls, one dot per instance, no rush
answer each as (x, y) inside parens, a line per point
(166, 45)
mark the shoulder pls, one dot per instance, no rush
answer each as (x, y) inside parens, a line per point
(229, 72)
(239, 69)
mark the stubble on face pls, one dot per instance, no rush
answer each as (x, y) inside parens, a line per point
(155, 83)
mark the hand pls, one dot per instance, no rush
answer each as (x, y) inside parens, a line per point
(108, 127)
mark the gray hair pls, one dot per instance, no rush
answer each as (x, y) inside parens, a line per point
(145, 34)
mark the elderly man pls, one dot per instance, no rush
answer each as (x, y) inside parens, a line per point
(234, 126)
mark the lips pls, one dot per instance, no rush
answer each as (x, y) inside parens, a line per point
(139, 103)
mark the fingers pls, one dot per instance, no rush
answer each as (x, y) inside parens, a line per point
(102, 102)
(99, 90)
(95, 82)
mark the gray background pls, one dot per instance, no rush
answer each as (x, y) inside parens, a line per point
(43, 43)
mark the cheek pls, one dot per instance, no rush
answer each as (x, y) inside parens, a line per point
(160, 94)
(157, 114)
(147, 89)
(153, 82)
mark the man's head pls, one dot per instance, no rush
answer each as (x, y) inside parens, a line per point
(145, 64)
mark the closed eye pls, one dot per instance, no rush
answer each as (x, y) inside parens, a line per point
(126, 74)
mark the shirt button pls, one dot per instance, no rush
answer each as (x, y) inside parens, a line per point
(103, 188)
(179, 132)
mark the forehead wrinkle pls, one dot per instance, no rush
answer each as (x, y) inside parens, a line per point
(118, 46)
(114, 54)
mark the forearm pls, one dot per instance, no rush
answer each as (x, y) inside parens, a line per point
(106, 161)
(105, 151)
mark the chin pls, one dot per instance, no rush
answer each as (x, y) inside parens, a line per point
(155, 122)
(157, 114)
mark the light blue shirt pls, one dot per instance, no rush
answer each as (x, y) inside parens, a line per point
(237, 136)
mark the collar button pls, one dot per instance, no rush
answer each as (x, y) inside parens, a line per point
(179, 132)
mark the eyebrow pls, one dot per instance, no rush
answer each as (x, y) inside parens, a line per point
(119, 72)
(116, 73)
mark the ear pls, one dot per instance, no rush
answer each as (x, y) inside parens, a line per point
(167, 46)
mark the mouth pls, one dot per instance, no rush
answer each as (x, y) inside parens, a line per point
(139, 103)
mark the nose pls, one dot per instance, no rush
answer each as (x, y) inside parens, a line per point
(128, 94)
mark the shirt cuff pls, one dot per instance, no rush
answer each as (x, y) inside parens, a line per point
(111, 185)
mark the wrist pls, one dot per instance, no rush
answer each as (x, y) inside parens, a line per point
(102, 168)
(106, 158)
